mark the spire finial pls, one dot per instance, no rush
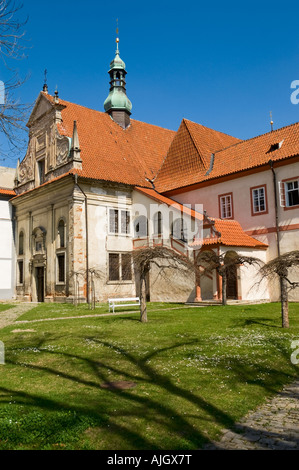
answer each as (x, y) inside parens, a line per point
(45, 87)
(271, 122)
(56, 95)
(117, 38)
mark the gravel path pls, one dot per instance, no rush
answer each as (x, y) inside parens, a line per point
(7, 317)
(273, 426)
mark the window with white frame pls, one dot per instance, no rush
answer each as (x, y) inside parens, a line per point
(258, 200)
(119, 222)
(120, 267)
(292, 193)
(226, 206)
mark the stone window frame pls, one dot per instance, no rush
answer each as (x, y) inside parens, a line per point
(60, 254)
(20, 274)
(58, 244)
(21, 232)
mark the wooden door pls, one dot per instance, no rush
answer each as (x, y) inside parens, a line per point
(231, 284)
(40, 284)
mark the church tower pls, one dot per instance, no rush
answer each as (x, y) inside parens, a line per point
(117, 104)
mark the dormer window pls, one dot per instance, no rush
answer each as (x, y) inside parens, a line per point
(275, 146)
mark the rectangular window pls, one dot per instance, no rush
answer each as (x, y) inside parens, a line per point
(120, 267)
(20, 272)
(113, 267)
(226, 206)
(126, 267)
(258, 196)
(119, 221)
(113, 221)
(125, 222)
(292, 193)
(41, 171)
(61, 268)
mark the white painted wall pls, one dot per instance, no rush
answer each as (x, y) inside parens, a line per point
(6, 251)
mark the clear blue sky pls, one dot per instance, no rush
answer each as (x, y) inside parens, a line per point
(225, 65)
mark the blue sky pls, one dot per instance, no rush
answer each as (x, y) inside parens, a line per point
(225, 65)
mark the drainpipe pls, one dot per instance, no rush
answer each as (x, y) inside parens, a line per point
(276, 207)
(86, 228)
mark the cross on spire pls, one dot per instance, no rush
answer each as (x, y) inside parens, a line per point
(45, 87)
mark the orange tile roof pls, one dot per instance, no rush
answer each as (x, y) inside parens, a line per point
(232, 234)
(111, 153)
(7, 192)
(230, 231)
(181, 167)
(189, 155)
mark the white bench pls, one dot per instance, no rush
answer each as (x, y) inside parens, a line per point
(124, 302)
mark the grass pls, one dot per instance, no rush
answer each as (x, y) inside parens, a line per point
(195, 370)
(4, 307)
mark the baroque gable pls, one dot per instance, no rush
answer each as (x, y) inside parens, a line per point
(49, 154)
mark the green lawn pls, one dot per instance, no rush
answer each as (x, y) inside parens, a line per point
(4, 307)
(195, 371)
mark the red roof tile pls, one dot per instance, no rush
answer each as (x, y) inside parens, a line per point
(189, 155)
(111, 153)
(181, 168)
(7, 192)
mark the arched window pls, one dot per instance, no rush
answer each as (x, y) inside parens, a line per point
(158, 223)
(141, 227)
(179, 230)
(21, 243)
(61, 234)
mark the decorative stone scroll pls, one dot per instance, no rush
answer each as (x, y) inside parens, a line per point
(63, 147)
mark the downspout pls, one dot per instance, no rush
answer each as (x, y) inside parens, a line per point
(86, 229)
(276, 207)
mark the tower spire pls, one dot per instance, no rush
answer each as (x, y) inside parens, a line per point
(45, 87)
(117, 104)
(117, 38)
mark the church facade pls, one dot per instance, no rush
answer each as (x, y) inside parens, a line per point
(95, 186)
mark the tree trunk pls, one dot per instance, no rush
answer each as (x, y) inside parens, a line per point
(143, 312)
(224, 282)
(284, 303)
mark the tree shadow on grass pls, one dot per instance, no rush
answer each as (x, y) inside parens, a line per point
(163, 415)
(156, 412)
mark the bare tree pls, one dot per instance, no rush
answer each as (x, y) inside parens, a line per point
(13, 114)
(225, 265)
(162, 257)
(80, 276)
(279, 268)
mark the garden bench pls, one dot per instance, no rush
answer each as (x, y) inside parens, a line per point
(123, 302)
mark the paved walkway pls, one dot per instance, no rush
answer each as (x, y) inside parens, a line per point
(7, 317)
(273, 426)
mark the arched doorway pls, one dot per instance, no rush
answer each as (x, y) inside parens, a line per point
(39, 262)
(40, 283)
(231, 275)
